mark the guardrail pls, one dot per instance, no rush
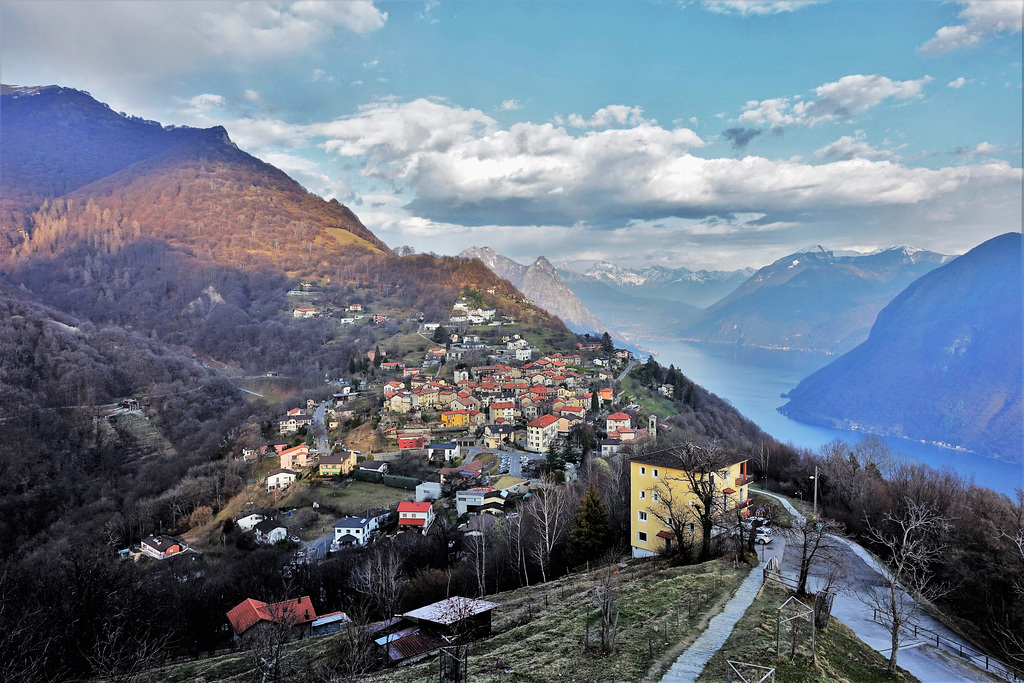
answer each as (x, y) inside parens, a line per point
(968, 652)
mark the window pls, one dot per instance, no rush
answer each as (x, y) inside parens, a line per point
(654, 473)
(691, 527)
(641, 536)
(643, 495)
(642, 516)
(643, 471)
(655, 497)
(668, 521)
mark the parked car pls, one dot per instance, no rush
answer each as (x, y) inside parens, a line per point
(764, 535)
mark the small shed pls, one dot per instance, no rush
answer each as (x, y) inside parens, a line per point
(455, 616)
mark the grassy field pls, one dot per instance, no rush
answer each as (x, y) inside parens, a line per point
(659, 405)
(344, 237)
(351, 497)
(841, 656)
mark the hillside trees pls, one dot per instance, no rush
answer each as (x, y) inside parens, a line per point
(589, 534)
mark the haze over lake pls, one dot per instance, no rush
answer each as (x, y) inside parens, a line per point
(753, 380)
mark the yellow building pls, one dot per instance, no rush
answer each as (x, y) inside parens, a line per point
(660, 490)
(337, 464)
(455, 418)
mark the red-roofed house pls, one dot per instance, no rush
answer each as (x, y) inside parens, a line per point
(617, 421)
(295, 614)
(541, 432)
(416, 516)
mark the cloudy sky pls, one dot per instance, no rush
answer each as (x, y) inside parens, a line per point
(704, 133)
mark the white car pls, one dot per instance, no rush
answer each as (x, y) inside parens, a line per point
(764, 535)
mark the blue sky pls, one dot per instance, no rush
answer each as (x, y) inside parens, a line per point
(714, 133)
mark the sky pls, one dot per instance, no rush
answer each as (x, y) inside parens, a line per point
(713, 134)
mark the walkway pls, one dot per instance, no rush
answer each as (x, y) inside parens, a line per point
(689, 664)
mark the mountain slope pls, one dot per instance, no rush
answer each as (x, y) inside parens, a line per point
(541, 283)
(812, 300)
(699, 288)
(942, 362)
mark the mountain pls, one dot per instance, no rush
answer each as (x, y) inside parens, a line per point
(699, 288)
(177, 233)
(633, 314)
(812, 299)
(541, 283)
(942, 362)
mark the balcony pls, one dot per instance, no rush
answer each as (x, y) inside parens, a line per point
(744, 480)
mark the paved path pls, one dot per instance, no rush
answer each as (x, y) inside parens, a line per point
(922, 660)
(689, 664)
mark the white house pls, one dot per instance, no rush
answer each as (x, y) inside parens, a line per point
(415, 516)
(280, 479)
(354, 530)
(470, 500)
(270, 531)
(246, 521)
(428, 490)
(444, 451)
(541, 432)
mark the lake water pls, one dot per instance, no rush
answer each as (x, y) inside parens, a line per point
(753, 379)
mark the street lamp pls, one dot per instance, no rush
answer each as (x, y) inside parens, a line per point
(815, 478)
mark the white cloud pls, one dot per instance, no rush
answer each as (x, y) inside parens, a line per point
(461, 167)
(757, 7)
(202, 103)
(851, 147)
(511, 105)
(982, 149)
(612, 115)
(979, 19)
(837, 101)
(957, 83)
(427, 13)
(151, 39)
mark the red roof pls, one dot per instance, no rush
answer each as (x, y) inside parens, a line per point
(666, 534)
(543, 421)
(728, 491)
(411, 521)
(618, 416)
(407, 506)
(249, 612)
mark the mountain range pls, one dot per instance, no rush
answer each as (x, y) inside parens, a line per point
(541, 283)
(812, 300)
(943, 361)
(699, 288)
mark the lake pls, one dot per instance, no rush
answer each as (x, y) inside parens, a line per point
(752, 380)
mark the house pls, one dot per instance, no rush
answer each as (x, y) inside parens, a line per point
(329, 623)
(469, 500)
(354, 530)
(660, 489)
(428, 491)
(161, 547)
(502, 410)
(444, 451)
(337, 464)
(469, 469)
(294, 458)
(289, 424)
(393, 387)
(247, 520)
(270, 531)
(509, 484)
(497, 434)
(617, 421)
(374, 466)
(455, 616)
(455, 418)
(541, 432)
(606, 394)
(304, 313)
(610, 446)
(280, 479)
(406, 443)
(295, 615)
(415, 516)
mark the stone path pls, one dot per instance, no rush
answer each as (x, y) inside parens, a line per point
(689, 664)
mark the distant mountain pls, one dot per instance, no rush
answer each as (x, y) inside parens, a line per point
(812, 300)
(943, 361)
(634, 315)
(541, 283)
(699, 288)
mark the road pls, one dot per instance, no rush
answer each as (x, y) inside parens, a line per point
(320, 428)
(863, 572)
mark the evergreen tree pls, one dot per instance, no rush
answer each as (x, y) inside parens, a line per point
(595, 401)
(376, 356)
(590, 532)
(606, 343)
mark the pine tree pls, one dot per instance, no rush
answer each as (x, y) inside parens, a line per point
(590, 532)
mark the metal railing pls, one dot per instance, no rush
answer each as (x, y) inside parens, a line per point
(967, 652)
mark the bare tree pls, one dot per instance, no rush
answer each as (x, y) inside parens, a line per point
(694, 495)
(379, 579)
(550, 513)
(607, 596)
(812, 538)
(264, 643)
(763, 460)
(912, 541)
(123, 650)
